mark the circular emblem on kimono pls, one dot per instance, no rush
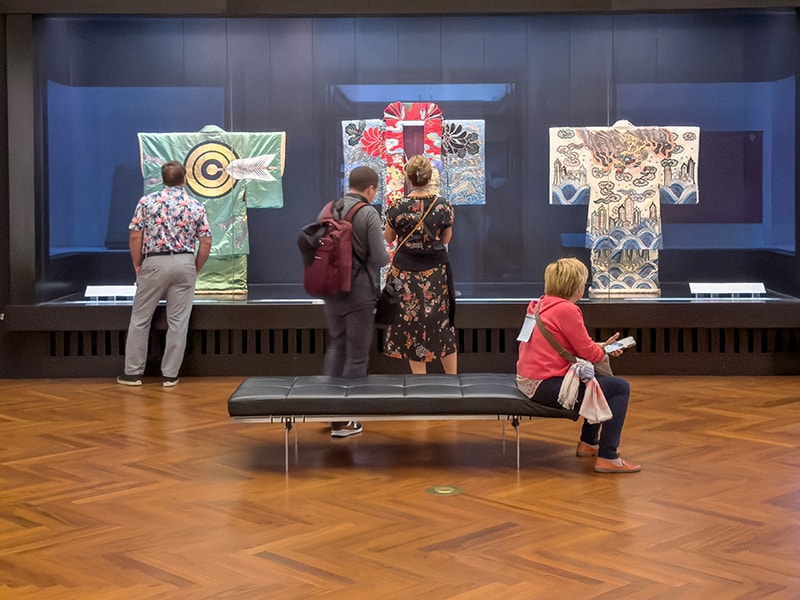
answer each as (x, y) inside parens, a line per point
(206, 169)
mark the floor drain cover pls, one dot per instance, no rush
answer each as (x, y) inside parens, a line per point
(445, 490)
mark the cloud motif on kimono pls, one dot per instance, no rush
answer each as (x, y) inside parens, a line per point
(624, 173)
(435, 142)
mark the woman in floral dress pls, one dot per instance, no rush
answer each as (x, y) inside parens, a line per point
(422, 224)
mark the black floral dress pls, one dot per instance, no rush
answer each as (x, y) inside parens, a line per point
(424, 330)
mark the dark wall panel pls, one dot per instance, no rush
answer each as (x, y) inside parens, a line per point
(282, 75)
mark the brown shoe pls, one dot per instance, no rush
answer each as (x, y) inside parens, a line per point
(585, 449)
(618, 465)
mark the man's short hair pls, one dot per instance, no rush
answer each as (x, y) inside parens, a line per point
(173, 173)
(361, 178)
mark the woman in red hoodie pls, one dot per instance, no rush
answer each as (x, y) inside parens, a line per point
(541, 368)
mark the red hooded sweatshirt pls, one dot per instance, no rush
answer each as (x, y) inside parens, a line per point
(537, 358)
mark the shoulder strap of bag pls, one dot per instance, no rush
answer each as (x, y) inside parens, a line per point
(339, 205)
(327, 212)
(419, 223)
(352, 212)
(551, 340)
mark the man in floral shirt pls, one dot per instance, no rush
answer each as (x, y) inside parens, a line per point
(165, 228)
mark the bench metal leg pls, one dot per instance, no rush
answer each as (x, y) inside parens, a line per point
(287, 425)
(515, 423)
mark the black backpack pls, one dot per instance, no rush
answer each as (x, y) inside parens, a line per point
(327, 249)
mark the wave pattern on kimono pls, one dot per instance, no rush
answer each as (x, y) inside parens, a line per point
(624, 173)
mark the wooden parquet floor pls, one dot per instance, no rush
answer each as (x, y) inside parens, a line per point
(152, 493)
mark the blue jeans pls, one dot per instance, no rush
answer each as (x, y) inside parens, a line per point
(617, 392)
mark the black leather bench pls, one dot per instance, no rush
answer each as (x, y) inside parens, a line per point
(290, 400)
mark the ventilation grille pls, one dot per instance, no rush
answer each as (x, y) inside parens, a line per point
(86, 343)
(470, 341)
(696, 340)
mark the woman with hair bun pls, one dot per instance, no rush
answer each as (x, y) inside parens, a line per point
(422, 223)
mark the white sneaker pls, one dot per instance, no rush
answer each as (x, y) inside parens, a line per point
(129, 379)
(350, 428)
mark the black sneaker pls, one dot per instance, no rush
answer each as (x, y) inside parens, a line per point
(170, 381)
(129, 379)
(348, 429)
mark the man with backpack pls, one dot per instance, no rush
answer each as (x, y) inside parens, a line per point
(350, 316)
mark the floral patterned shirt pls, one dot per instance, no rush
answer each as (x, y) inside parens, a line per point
(404, 215)
(171, 221)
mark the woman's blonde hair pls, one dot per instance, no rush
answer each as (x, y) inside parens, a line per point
(563, 277)
(418, 170)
